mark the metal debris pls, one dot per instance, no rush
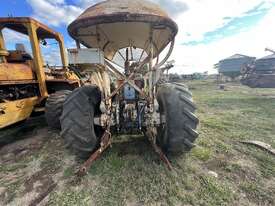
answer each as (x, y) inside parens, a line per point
(261, 145)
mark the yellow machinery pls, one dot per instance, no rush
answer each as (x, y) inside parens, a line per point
(25, 81)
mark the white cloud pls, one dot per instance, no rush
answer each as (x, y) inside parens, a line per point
(58, 12)
(12, 36)
(56, 1)
(50, 53)
(202, 57)
(200, 17)
(208, 15)
(52, 56)
(173, 7)
(54, 13)
(87, 3)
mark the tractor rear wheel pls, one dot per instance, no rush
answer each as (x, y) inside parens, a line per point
(54, 107)
(77, 121)
(178, 133)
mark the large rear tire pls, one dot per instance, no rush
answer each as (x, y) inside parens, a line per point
(54, 107)
(77, 121)
(178, 133)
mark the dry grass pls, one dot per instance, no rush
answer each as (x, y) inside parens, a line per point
(131, 174)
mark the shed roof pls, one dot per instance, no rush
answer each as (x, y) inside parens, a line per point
(271, 56)
(237, 56)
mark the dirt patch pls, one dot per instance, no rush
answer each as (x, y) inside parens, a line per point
(3, 191)
(15, 151)
(27, 168)
(136, 146)
(217, 163)
(41, 177)
(43, 194)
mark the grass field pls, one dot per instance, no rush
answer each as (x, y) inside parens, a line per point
(37, 169)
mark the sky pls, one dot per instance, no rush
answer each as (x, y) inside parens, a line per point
(209, 30)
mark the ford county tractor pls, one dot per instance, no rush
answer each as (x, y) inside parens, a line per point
(127, 93)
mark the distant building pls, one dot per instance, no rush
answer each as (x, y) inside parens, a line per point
(232, 65)
(265, 64)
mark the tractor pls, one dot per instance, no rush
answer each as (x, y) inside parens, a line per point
(119, 43)
(27, 84)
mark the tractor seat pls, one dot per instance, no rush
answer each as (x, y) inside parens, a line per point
(4, 53)
(18, 57)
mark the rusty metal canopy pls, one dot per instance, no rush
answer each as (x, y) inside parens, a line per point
(116, 24)
(18, 24)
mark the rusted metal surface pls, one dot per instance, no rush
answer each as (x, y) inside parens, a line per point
(23, 80)
(18, 24)
(124, 10)
(126, 6)
(37, 59)
(15, 111)
(15, 72)
(124, 24)
(68, 81)
(105, 143)
(106, 138)
(261, 145)
(116, 24)
(162, 156)
(151, 133)
(123, 82)
(86, 56)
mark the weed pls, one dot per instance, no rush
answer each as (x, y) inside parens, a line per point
(258, 193)
(12, 167)
(130, 173)
(213, 193)
(266, 163)
(202, 153)
(70, 197)
(68, 172)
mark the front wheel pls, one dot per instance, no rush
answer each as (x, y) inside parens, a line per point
(178, 133)
(77, 121)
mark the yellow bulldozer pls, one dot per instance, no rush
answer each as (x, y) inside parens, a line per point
(27, 84)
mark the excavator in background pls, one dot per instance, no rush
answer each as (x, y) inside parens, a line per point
(27, 84)
(260, 74)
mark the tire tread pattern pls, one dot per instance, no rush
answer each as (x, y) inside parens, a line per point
(77, 121)
(54, 107)
(179, 132)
